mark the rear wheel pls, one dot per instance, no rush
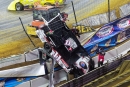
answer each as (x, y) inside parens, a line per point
(48, 4)
(19, 7)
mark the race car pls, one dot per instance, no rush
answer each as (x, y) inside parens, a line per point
(62, 45)
(20, 5)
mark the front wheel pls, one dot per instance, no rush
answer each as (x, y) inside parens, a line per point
(19, 7)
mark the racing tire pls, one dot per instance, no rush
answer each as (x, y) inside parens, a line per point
(48, 4)
(47, 47)
(92, 65)
(19, 7)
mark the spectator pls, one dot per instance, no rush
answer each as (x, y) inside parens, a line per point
(64, 16)
(101, 54)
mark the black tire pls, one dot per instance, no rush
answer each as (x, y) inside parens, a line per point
(48, 4)
(92, 65)
(47, 47)
(19, 7)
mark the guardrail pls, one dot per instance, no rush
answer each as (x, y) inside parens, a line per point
(43, 81)
(16, 59)
(77, 82)
(32, 55)
(82, 80)
(12, 60)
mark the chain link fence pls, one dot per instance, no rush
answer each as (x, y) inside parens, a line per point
(96, 13)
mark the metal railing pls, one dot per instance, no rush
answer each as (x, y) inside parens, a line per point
(96, 73)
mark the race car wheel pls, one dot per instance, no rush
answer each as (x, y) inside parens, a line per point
(19, 7)
(48, 4)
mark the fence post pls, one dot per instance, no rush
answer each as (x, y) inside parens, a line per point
(74, 13)
(109, 11)
(26, 32)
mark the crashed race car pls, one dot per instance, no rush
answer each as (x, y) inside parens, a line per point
(20, 5)
(61, 43)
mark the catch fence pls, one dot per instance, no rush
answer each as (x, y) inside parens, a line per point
(98, 72)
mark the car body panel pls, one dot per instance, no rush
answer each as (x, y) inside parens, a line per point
(12, 6)
(31, 30)
(37, 23)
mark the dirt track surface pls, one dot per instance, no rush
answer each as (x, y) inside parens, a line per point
(13, 39)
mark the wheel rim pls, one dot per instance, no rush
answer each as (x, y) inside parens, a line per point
(18, 7)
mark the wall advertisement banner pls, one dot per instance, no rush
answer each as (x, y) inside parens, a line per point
(109, 35)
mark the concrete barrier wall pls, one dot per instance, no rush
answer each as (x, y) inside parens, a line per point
(12, 60)
(40, 82)
(98, 19)
(24, 84)
(15, 59)
(32, 55)
(44, 81)
(125, 10)
(123, 49)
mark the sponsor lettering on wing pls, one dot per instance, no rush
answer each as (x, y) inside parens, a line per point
(124, 23)
(105, 31)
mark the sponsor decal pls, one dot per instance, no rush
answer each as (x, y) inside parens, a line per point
(41, 35)
(70, 43)
(83, 63)
(105, 31)
(55, 54)
(124, 23)
(121, 37)
(83, 29)
(59, 60)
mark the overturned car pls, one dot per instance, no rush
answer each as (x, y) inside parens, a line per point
(63, 46)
